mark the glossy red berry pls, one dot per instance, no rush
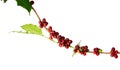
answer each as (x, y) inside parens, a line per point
(40, 24)
(76, 49)
(116, 56)
(44, 20)
(70, 41)
(49, 29)
(45, 23)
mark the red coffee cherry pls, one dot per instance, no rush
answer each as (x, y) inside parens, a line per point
(45, 23)
(40, 24)
(49, 29)
(76, 49)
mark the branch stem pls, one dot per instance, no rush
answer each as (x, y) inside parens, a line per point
(36, 13)
(73, 47)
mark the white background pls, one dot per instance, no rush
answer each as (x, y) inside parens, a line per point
(95, 22)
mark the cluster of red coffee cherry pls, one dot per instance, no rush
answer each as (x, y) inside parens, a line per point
(62, 41)
(113, 52)
(66, 42)
(81, 49)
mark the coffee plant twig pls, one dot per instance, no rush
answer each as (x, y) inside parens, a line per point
(61, 40)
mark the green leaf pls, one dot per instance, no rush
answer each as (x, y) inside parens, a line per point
(32, 29)
(4, 1)
(25, 4)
